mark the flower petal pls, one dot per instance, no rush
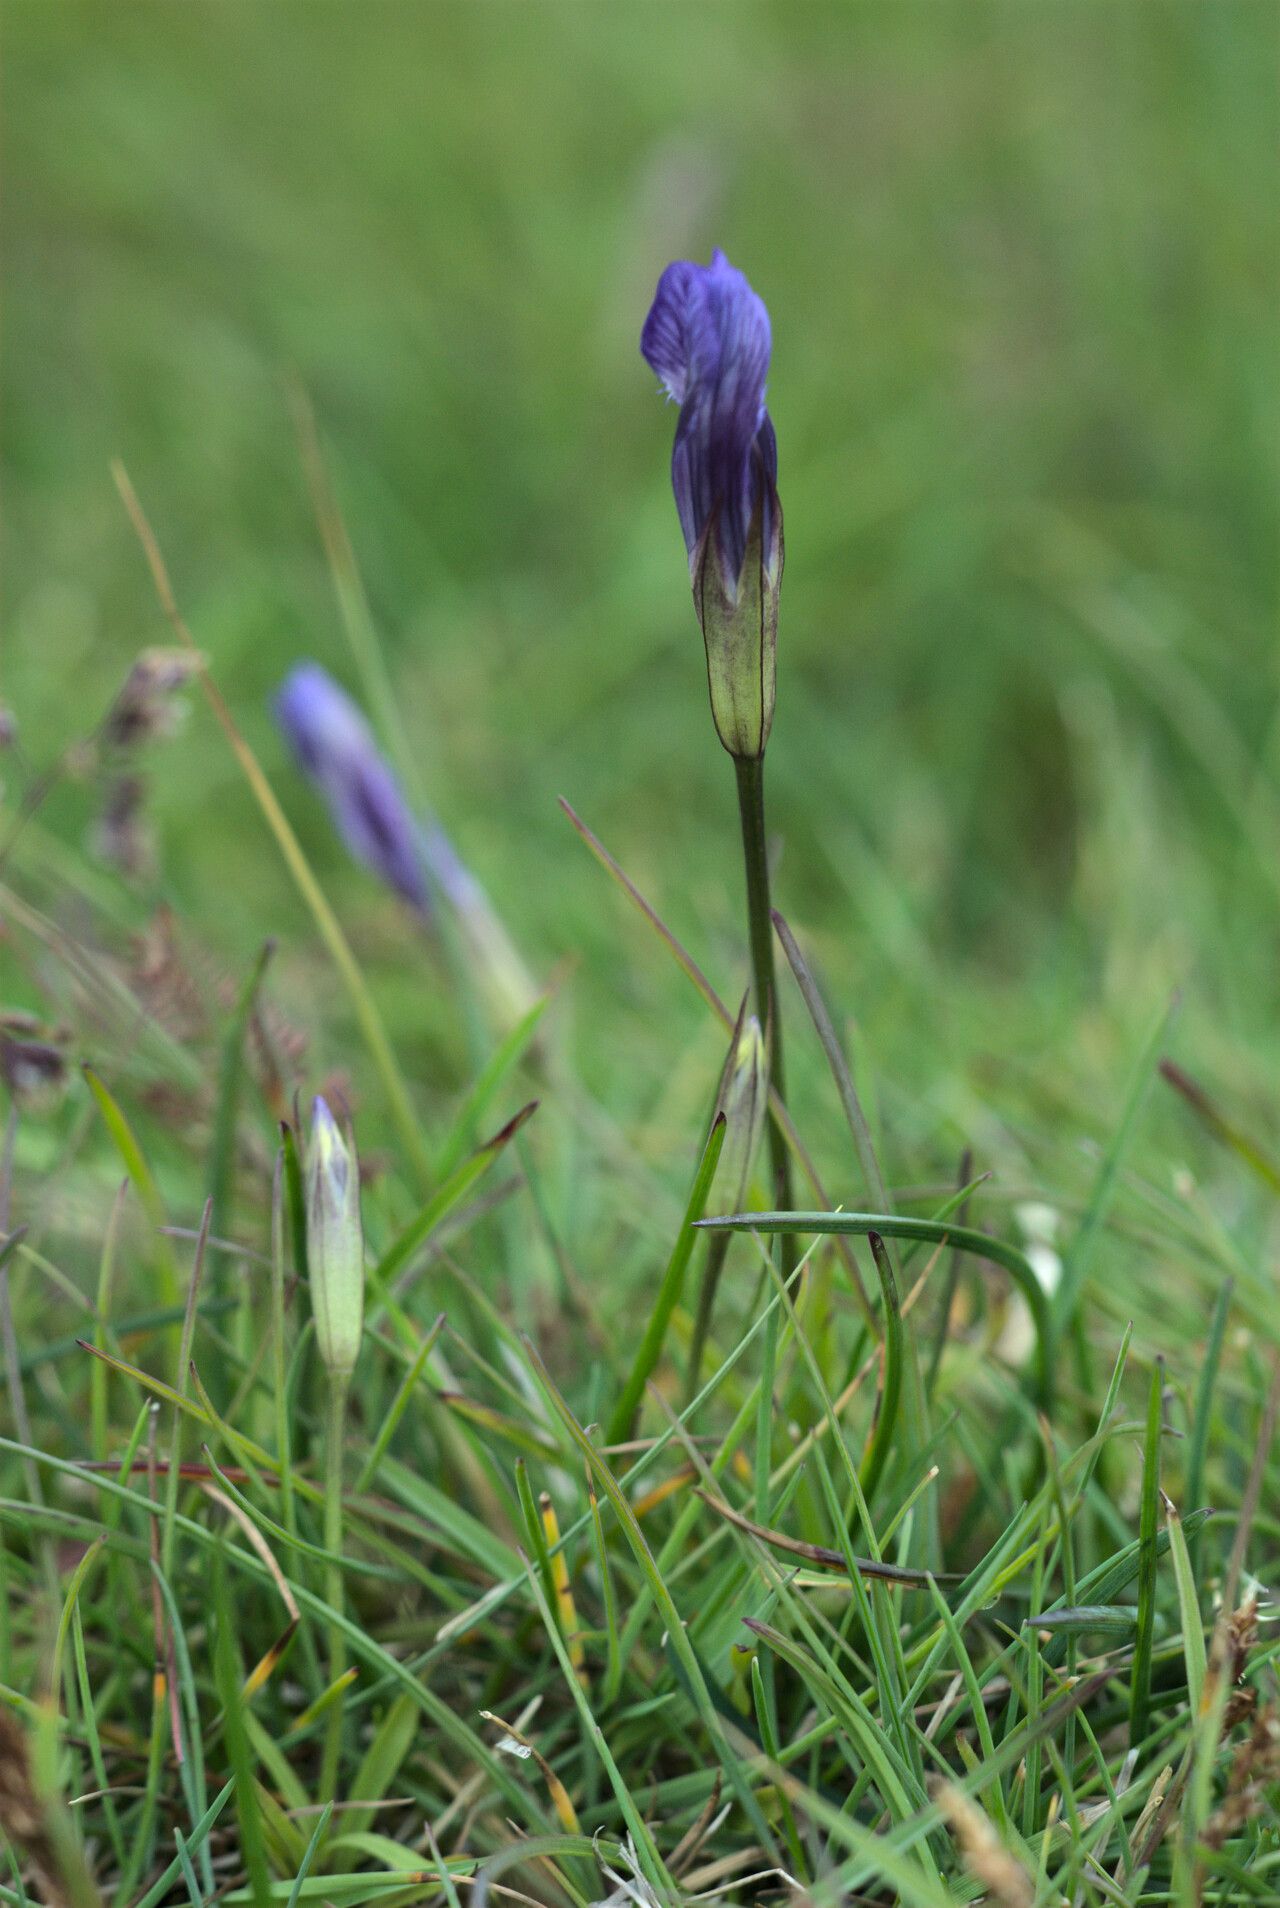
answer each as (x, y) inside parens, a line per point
(666, 341)
(707, 336)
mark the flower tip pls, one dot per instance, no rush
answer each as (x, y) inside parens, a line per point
(335, 1249)
(328, 1148)
(750, 1043)
(301, 678)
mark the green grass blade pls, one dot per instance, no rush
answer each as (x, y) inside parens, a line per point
(441, 1202)
(222, 1154)
(507, 1055)
(1140, 1683)
(138, 1171)
(1206, 1396)
(1078, 1260)
(894, 1355)
(669, 1290)
(676, 1633)
(1193, 1644)
(398, 1406)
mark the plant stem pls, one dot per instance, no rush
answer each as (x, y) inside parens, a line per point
(750, 772)
(335, 1428)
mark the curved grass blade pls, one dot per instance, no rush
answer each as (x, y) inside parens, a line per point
(939, 1232)
(135, 1165)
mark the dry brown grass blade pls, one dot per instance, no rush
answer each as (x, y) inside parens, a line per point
(686, 1849)
(1005, 1881)
(566, 1814)
(37, 1824)
(818, 1553)
(271, 1658)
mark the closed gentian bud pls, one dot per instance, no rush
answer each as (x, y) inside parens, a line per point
(744, 1101)
(707, 337)
(335, 1243)
(335, 746)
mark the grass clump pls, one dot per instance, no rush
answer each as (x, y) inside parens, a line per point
(572, 1593)
(862, 1495)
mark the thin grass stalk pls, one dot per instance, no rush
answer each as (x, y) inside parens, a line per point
(713, 1266)
(1206, 1393)
(369, 1019)
(174, 1473)
(1148, 1551)
(693, 973)
(279, 1386)
(755, 851)
(231, 1069)
(891, 1387)
(669, 1291)
(951, 1282)
(98, 1369)
(335, 1432)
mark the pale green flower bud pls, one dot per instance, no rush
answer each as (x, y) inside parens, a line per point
(335, 1243)
(744, 1101)
(739, 618)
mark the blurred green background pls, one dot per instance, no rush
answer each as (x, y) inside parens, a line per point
(1022, 268)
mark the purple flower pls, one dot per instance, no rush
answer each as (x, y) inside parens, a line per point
(335, 746)
(707, 337)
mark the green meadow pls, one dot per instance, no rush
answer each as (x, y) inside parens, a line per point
(321, 341)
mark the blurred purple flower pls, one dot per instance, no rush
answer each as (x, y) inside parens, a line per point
(707, 336)
(335, 746)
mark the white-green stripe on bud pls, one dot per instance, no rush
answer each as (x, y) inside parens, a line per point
(739, 618)
(744, 1101)
(335, 1243)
